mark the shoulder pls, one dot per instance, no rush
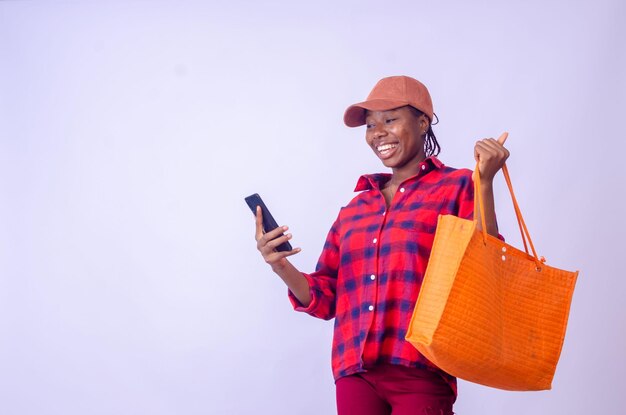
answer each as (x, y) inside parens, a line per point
(450, 176)
(451, 171)
(442, 172)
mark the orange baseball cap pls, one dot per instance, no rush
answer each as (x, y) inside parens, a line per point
(390, 93)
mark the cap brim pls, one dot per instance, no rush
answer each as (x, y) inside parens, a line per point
(355, 114)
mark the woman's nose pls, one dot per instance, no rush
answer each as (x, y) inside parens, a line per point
(379, 131)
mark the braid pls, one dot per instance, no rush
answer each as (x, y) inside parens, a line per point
(431, 146)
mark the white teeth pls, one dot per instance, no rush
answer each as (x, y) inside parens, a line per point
(385, 147)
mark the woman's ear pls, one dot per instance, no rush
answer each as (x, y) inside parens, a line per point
(424, 124)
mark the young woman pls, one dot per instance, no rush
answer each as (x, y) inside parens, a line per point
(371, 268)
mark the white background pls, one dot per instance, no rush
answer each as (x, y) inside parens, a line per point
(130, 132)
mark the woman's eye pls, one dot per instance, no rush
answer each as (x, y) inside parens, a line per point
(368, 126)
(390, 120)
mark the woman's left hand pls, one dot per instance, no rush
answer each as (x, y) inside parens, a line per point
(491, 156)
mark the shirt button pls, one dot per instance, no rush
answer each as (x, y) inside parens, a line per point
(402, 190)
(372, 277)
(375, 240)
(423, 167)
(370, 308)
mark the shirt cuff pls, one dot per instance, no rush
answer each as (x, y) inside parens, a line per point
(297, 305)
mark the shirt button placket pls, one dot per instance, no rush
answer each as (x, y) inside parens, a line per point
(373, 276)
(371, 288)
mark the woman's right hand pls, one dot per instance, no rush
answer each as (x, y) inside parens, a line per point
(266, 243)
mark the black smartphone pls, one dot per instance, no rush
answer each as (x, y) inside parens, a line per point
(269, 223)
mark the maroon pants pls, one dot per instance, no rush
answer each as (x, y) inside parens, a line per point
(392, 389)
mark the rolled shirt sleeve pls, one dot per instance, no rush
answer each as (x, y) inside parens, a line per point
(323, 282)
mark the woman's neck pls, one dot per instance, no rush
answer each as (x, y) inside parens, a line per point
(402, 173)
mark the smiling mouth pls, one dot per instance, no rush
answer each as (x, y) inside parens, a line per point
(386, 149)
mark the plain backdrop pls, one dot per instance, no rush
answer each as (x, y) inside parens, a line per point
(131, 131)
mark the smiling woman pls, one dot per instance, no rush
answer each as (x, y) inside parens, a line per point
(370, 272)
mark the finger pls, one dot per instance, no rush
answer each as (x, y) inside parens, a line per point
(502, 138)
(278, 241)
(482, 144)
(292, 252)
(497, 149)
(491, 145)
(482, 148)
(274, 233)
(277, 256)
(489, 149)
(259, 223)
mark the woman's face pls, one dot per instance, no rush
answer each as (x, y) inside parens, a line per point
(396, 136)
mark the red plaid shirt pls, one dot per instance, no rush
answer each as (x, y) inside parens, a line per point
(370, 271)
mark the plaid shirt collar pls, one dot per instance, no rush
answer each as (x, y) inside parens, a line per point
(375, 181)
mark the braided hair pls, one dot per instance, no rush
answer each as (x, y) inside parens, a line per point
(431, 145)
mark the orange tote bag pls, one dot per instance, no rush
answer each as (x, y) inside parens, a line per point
(490, 313)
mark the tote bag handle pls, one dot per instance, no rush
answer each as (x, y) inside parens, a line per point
(478, 202)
